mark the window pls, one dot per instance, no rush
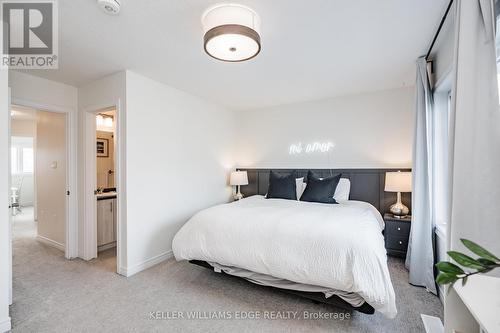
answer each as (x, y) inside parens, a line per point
(21, 155)
(441, 160)
(14, 160)
(439, 157)
(27, 160)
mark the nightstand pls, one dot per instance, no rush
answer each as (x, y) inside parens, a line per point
(397, 233)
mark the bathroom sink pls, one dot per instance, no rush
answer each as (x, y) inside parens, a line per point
(106, 195)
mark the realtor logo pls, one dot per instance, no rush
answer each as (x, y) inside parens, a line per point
(29, 34)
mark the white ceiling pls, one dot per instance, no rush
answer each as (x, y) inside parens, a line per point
(310, 49)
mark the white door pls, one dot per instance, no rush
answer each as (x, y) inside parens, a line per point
(10, 215)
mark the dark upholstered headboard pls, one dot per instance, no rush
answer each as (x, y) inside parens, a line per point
(366, 184)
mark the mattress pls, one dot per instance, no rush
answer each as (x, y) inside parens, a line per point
(339, 247)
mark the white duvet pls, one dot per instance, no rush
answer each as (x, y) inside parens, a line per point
(335, 246)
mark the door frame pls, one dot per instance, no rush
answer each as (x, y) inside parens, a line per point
(89, 237)
(9, 183)
(71, 232)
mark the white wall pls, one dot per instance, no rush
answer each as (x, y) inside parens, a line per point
(50, 174)
(103, 93)
(179, 150)
(176, 160)
(34, 89)
(21, 127)
(370, 130)
(443, 50)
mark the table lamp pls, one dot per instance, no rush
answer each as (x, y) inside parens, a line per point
(238, 178)
(398, 182)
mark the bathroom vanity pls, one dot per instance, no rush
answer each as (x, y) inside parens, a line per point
(106, 220)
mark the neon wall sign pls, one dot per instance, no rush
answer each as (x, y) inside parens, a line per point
(310, 148)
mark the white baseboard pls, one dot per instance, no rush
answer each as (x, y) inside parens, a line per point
(5, 325)
(129, 271)
(122, 271)
(106, 246)
(51, 242)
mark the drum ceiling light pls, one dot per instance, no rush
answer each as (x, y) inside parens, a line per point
(232, 32)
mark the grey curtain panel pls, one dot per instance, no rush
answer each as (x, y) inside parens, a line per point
(474, 205)
(420, 256)
(474, 165)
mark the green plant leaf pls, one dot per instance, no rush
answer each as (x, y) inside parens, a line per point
(446, 278)
(486, 262)
(465, 260)
(484, 271)
(480, 251)
(448, 267)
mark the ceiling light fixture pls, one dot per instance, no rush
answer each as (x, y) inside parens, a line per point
(108, 122)
(104, 122)
(99, 119)
(232, 32)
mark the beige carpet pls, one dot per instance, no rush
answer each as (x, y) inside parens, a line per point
(52, 294)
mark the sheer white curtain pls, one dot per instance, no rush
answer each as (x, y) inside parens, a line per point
(474, 206)
(420, 256)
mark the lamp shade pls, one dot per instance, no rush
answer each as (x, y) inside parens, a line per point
(232, 32)
(398, 181)
(239, 178)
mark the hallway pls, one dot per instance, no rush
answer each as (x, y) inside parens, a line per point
(43, 277)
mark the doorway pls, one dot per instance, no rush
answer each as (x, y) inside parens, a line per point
(105, 193)
(102, 186)
(38, 167)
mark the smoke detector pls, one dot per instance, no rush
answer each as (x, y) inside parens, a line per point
(110, 7)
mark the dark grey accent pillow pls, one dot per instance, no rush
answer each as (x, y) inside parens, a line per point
(282, 186)
(320, 190)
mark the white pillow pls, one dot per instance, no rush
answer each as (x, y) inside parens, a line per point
(300, 186)
(343, 189)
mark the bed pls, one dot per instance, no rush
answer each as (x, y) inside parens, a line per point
(328, 253)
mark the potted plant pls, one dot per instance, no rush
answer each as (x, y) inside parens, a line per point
(449, 272)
